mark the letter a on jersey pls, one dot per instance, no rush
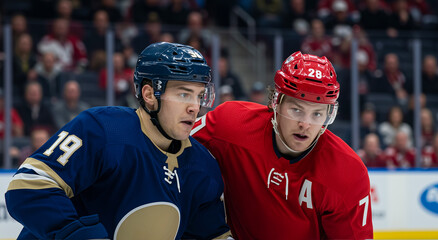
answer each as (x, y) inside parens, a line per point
(306, 194)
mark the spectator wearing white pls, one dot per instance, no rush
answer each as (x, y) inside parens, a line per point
(68, 48)
(393, 125)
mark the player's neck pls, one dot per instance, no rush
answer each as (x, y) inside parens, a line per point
(153, 133)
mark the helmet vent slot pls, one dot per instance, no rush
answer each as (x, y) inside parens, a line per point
(290, 85)
(175, 53)
(296, 66)
(313, 80)
(331, 93)
(178, 71)
(179, 60)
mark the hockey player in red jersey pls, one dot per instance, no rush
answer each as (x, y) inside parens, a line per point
(286, 176)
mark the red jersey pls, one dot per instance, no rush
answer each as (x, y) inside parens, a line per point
(324, 195)
(377, 160)
(16, 121)
(429, 157)
(397, 159)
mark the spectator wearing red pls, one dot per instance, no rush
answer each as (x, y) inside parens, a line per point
(317, 43)
(342, 47)
(325, 7)
(123, 76)
(17, 123)
(371, 153)
(68, 48)
(427, 126)
(430, 154)
(400, 154)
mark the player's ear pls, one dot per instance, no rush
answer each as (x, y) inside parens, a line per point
(150, 100)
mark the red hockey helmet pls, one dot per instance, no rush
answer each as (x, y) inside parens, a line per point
(309, 78)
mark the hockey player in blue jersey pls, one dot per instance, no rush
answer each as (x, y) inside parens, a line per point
(122, 173)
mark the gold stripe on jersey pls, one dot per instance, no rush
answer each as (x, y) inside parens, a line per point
(172, 158)
(53, 180)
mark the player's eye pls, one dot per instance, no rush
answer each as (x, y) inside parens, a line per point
(296, 110)
(184, 95)
(317, 114)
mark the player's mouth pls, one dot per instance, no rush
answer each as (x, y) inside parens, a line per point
(188, 122)
(300, 137)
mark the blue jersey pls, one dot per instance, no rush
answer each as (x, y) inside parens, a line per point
(102, 162)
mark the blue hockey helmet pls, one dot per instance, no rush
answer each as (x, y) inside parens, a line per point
(161, 62)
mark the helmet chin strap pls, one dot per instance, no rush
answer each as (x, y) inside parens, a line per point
(275, 126)
(155, 121)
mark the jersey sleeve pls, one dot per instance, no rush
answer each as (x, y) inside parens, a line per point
(350, 217)
(204, 128)
(39, 193)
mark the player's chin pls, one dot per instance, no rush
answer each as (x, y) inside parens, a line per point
(182, 135)
(299, 145)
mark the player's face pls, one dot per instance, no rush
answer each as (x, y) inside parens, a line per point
(299, 122)
(180, 106)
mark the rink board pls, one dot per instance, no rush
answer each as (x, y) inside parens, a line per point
(404, 204)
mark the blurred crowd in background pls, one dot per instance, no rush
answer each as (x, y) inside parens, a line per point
(59, 61)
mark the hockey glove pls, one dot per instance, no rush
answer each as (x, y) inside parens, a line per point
(87, 227)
